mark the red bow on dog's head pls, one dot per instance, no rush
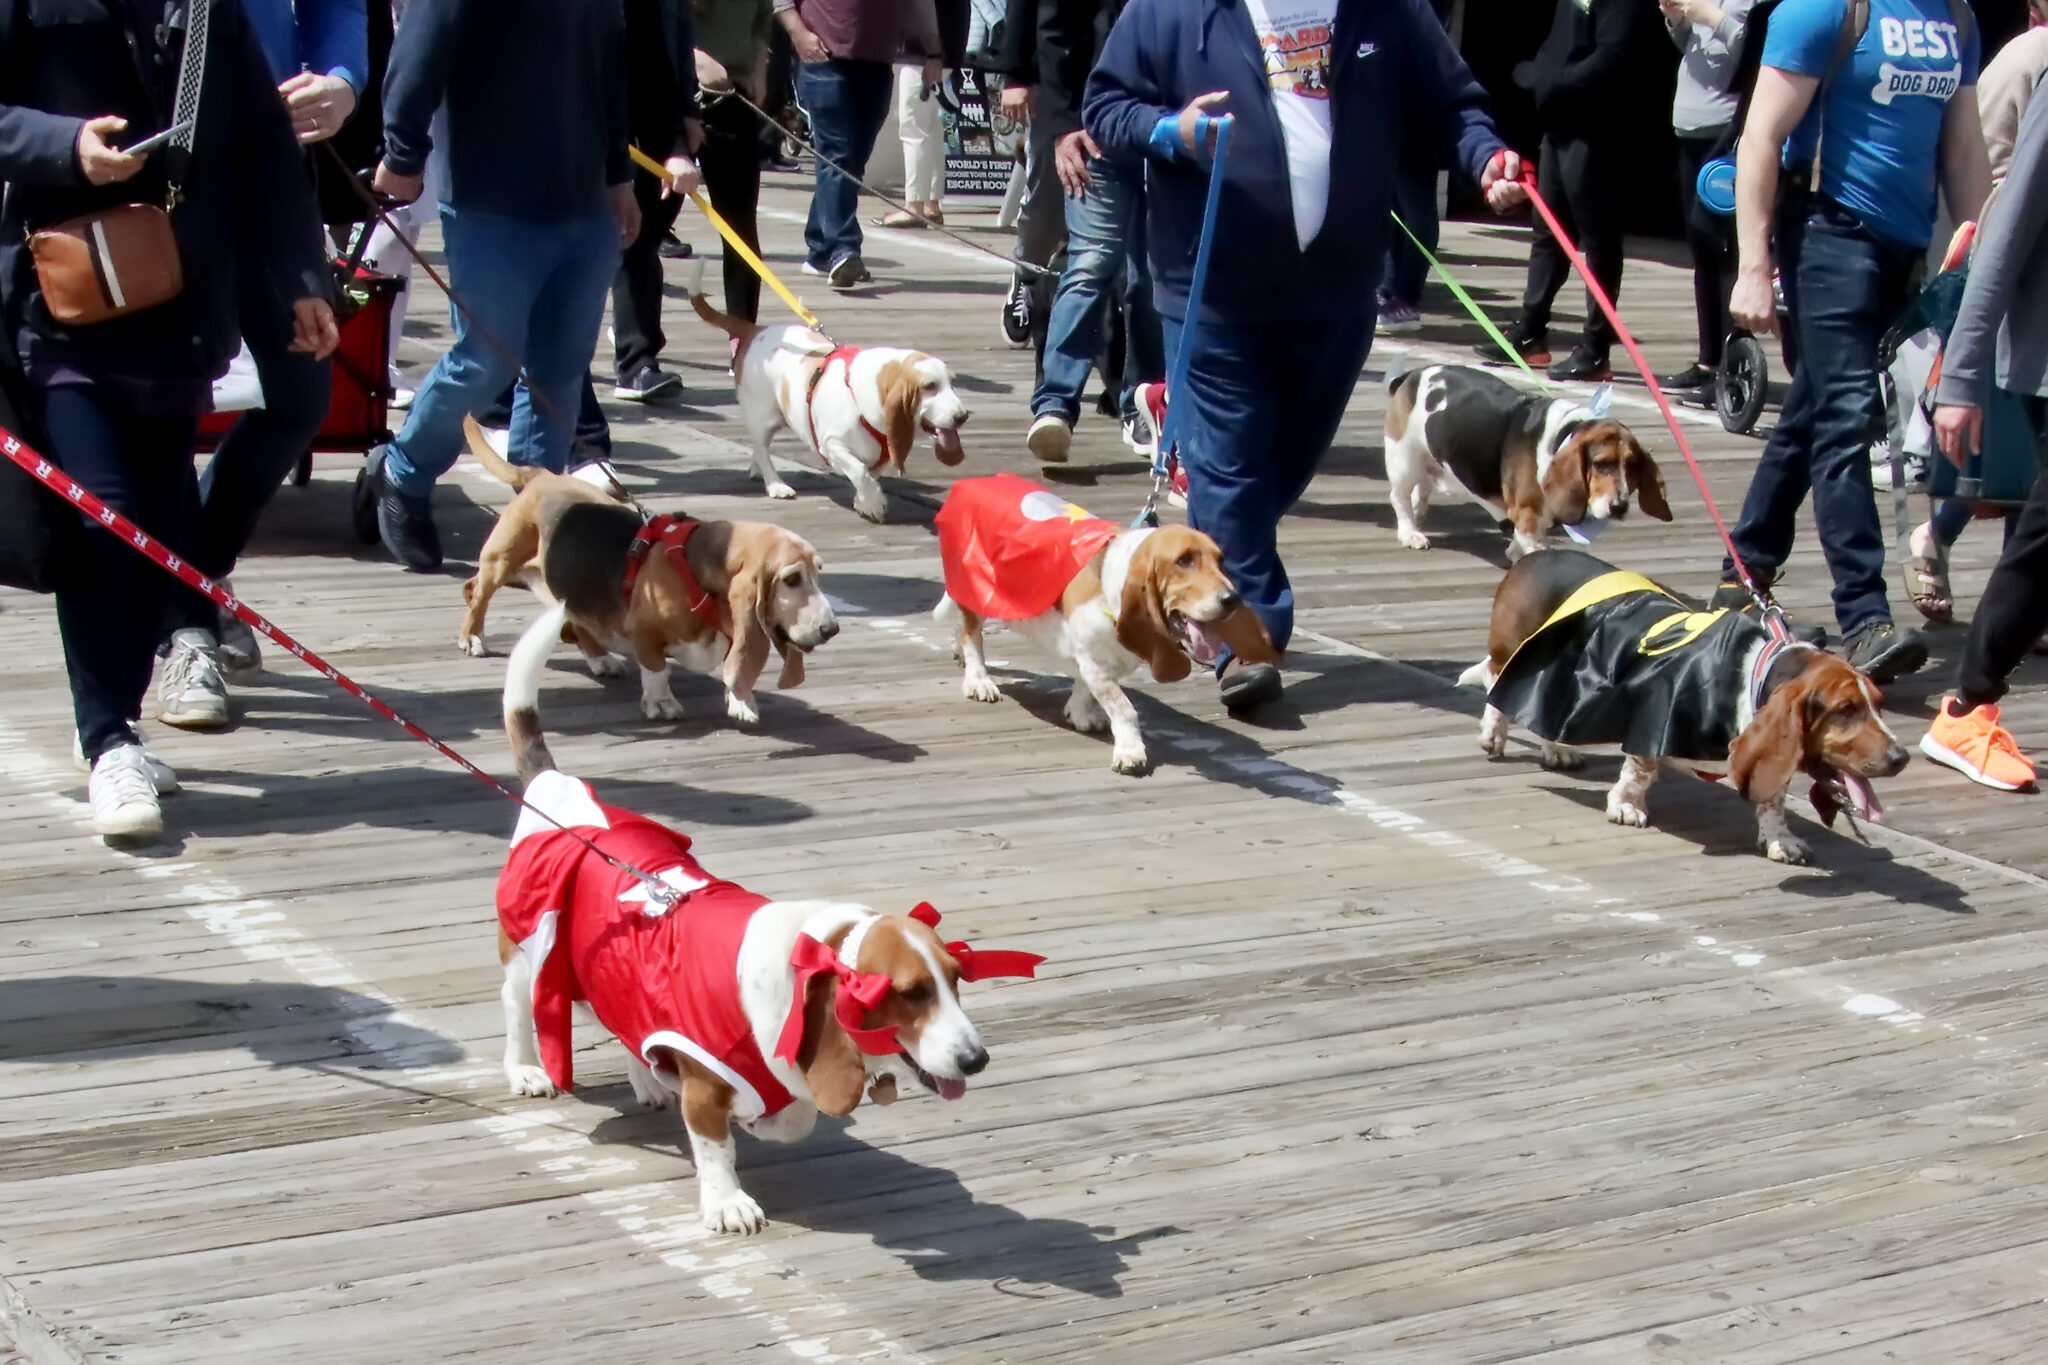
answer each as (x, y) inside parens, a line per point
(980, 965)
(859, 992)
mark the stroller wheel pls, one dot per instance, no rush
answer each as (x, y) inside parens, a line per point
(1741, 383)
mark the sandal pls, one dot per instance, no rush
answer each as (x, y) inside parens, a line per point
(1928, 590)
(909, 219)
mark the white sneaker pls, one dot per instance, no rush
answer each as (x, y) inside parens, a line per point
(190, 693)
(161, 773)
(124, 804)
(1049, 439)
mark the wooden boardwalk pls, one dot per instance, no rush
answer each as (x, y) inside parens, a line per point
(1352, 1045)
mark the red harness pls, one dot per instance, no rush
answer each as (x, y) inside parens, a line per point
(846, 354)
(671, 535)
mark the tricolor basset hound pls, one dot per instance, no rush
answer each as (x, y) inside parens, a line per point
(733, 1007)
(1534, 462)
(1103, 600)
(859, 409)
(716, 596)
(1583, 653)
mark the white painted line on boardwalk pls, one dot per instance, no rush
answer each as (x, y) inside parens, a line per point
(649, 1214)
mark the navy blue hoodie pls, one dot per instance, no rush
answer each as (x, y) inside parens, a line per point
(1391, 67)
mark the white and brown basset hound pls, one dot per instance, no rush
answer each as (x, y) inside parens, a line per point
(1102, 600)
(860, 409)
(737, 1009)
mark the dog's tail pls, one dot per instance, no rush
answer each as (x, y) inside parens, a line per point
(482, 451)
(522, 692)
(739, 329)
(1480, 674)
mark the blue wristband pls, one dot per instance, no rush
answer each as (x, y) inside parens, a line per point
(1165, 138)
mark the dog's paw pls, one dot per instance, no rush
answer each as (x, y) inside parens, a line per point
(1627, 813)
(1493, 734)
(741, 710)
(661, 708)
(1787, 849)
(1131, 759)
(646, 1089)
(530, 1080)
(1414, 540)
(473, 646)
(608, 665)
(875, 509)
(1561, 758)
(781, 490)
(982, 689)
(1087, 720)
(737, 1212)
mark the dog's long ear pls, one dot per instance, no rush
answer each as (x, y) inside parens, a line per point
(1770, 749)
(1564, 482)
(1645, 480)
(1141, 625)
(902, 399)
(831, 1064)
(749, 585)
(1246, 636)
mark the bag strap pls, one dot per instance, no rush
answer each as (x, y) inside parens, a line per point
(185, 109)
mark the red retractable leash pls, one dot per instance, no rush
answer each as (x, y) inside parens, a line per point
(1774, 617)
(43, 471)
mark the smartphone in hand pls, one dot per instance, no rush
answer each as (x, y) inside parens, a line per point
(155, 141)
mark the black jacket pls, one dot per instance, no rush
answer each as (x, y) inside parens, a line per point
(1051, 45)
(248, 208)
(1580, 76)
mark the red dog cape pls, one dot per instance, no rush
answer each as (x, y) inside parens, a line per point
(1010, 547)
(589, 933)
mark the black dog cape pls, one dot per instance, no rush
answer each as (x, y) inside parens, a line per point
(1624, 662)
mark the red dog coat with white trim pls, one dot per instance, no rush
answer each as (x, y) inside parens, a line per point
(1010, 547)
(655, 980)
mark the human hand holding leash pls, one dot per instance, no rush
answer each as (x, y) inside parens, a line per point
(683, 177)
(1070, 158)
(1959, 431)
(314, 330)
(1501, 182)
(1208, 106)
(319, 105)
(404, 189)
(100, 163)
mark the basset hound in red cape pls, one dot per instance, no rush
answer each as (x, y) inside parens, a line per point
(736, 1008)
(1583, 653)
(1534, 462)
(1103, 600)
(859, 409)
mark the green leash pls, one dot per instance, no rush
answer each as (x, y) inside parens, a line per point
(1493, 333)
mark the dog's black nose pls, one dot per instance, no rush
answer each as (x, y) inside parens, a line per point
(1229, 600)
(975, 1062)
(828, 630)
(1895, 760)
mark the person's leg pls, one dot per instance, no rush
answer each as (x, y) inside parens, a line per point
(1321, 366)
(924, 148)
(491, 265)
(636, 291)
(1548, 265)
(562, 329)
(731, 162)
(1098, 235)
(110, 611)
(1950, 519)
(823, 88)
(2014, 608)
(1590, 169)
(1710, 282)
(1415, 201)
(252, 460)
(1041, 220)
(1144, 348)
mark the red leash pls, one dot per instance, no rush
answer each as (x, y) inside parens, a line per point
(51, 477)
(1772, 616)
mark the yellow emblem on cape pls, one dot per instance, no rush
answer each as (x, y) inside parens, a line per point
(1677, 631)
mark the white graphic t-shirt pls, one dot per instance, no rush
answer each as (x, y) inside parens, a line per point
(1294, 39)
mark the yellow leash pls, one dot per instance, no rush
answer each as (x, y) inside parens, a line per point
(660, 172)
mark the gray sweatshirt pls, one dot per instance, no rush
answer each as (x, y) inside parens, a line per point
(2005, 305)
(1707, 58)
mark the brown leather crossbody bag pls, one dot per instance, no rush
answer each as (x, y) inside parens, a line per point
(113, 262)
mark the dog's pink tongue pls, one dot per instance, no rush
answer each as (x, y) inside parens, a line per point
(950, 1089)
(946, 443)
(1205, 642)
(1863, 797)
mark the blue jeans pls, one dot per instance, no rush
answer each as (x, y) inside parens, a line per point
(1415, 201)
(1851, 286)
(1260, 408)
(110, 607)
(539, 291)
(1105, 249)
(848, 103)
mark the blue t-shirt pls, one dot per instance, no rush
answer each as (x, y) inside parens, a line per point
(1882, 110)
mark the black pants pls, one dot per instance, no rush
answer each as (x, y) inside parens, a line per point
(1576, 178)
(2014, 609)
(110, 608)
(731, 162)
(1712, 277)
(636, 293)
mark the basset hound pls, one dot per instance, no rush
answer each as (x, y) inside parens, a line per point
(859, 409)
(737, 1009)
(716, 596)
(1583, 653)
(1534, 462)
(1103, 600)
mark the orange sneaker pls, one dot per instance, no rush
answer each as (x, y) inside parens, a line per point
(1977, 746)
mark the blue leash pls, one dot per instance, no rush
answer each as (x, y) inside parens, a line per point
(1177, 375)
